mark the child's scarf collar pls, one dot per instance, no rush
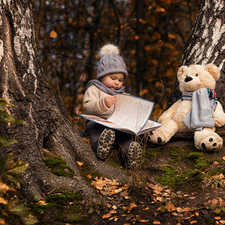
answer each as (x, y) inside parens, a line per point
(103, 88)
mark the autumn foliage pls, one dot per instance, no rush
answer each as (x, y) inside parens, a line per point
(150, 34)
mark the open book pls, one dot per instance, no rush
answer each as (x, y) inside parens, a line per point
(131, 114)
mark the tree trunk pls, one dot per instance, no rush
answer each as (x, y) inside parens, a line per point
(22, 80)
(206, 45)
(140, 45)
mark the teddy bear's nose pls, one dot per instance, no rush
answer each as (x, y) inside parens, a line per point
(187, 79)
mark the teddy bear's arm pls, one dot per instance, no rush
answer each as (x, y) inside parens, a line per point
(219, 116)
(168, 114)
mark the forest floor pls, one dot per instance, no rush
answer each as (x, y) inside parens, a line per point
(176, 184)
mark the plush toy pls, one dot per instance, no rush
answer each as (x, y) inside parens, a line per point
(198, 110)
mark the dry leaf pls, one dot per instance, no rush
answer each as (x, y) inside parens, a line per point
(80, 163)
(131, 206)
(114, 207)
(53, 34)
(89, 176)
(156, 222)
(143, 221)
(192, 222)
(217, 218)
(126, 197)
(223, 158)
(222, 221)
(113, 211)
(214, 201)
(106, 216)
(197, 214)
(147, 208)
(170, 207)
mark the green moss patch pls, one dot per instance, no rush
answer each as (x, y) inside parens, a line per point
(59, 167)
(60, 207)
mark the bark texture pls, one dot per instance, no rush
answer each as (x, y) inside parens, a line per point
(206, 44)
(23, 81)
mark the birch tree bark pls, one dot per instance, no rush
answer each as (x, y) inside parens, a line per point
(206, 44)
(22, 80)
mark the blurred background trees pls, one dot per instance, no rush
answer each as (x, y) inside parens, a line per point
(150, 34)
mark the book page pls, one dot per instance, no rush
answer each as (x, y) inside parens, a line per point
(131, 112)
(104, 122)
(150, 125)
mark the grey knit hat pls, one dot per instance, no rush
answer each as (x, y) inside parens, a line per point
(111, 62)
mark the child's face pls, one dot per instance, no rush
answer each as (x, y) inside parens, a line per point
(113, 81)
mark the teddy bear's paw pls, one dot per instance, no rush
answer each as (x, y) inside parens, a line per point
(156, 137)
(211, 143)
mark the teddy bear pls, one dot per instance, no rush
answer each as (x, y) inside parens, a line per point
(197, 111)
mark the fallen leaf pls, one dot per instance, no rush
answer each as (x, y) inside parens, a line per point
(223, 158)
(114, 207)
(112, 211)
(214, 201)
(108, 205)
(53, 34)
(131, 206)
(89, 176)
(80, 163)
(192, 222)
(216, 163)
(197, 214)
(126, 197)
(156, 222)
(106, 216)
(143, 221)
(170, 207)
(217, 218)
(147, 208)
(129, 217)
(222, 221)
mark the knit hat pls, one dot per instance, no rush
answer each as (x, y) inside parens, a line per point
(111, 62)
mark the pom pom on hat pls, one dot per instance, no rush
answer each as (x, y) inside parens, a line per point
(111, 62)
(107, 49)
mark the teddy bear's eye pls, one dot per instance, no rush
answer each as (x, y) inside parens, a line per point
(196, 74)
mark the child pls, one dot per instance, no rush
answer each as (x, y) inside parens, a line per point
(99, 100)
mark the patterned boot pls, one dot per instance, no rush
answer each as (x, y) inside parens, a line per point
(134, 155)
(105, 143)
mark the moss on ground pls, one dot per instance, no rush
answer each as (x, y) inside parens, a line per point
(59, 167)
(182, 167)
(62, 206)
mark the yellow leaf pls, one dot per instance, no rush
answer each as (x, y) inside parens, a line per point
(131, 206)
(112, 211)
(53, 34)
(80, 163)
(89, 176)
(143, 221)
(3, 201)
(106, 216)
(223, 158)
(156, 222)
(217, 218)
(170, 207)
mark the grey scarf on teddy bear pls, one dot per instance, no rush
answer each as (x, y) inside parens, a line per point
(204, 102)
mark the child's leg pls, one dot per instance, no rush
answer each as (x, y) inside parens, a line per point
(130, 149)
(102, 139)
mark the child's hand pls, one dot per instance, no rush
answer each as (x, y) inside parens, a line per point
(110, 101)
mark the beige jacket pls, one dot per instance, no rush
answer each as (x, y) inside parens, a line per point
(94, 104)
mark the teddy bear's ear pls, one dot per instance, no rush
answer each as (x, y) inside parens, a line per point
(181, 71)
(213, 70)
